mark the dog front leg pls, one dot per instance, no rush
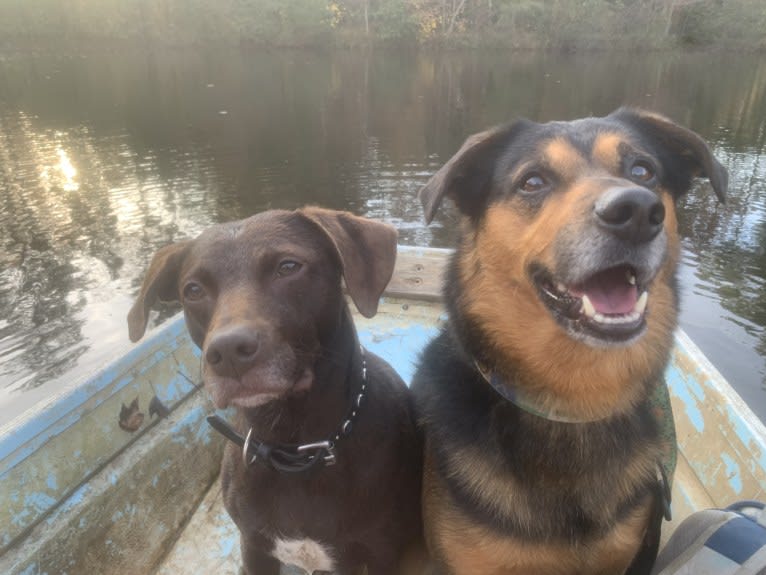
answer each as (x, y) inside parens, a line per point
(255, 561)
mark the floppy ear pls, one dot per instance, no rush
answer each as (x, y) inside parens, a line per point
(467, 176)
(367, 251)
(159, 284)
(687, 155)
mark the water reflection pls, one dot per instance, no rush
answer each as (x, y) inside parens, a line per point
(104, 158)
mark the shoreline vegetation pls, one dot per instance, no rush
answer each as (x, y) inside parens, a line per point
(555, 25)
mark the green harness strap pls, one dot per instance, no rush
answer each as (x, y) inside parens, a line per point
(663, 415)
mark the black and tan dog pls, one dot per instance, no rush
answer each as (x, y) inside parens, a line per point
(542, 446)
(262, 298)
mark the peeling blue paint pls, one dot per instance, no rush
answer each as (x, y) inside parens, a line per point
(191, 425)
(756, 450)
(22, 517)
(203, 434)
(78, 497)
(678, 386)
(51, 482)
(696, 389)
(228, 541)
(400, 346)
(38, 501)
(733, 474)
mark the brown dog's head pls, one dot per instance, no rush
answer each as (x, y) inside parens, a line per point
(262, 296)
(566, 270)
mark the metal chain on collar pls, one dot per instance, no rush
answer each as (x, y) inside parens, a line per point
(348, 424)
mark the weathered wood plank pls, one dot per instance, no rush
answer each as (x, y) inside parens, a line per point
(418, 273)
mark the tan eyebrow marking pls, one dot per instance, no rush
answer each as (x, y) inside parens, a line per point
(562, 156)
(606, 149)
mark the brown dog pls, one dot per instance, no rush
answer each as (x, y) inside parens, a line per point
(543, 450)
(262, 298)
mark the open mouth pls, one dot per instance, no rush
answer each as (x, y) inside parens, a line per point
(610, 305)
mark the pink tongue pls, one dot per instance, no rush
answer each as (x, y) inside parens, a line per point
(610, 293)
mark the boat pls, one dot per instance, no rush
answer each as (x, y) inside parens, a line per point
(117, 474)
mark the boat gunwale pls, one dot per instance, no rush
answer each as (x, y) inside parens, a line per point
(49, 417)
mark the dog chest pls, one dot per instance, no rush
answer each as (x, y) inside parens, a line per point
(307, 554)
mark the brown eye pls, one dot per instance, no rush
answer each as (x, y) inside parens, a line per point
(641, 172)
(532, 183)
(288, 267)
(193, 292)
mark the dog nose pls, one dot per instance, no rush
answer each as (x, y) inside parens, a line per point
(633, 214)
(232, 352)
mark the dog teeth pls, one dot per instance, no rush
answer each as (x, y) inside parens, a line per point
(588, 308)
(631, 277)
(600, 318)
(616, 319)
(640, 306)
(638, 310)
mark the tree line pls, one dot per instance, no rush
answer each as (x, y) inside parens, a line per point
(518, 24)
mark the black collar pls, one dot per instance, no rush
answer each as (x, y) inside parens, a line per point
(294, 458)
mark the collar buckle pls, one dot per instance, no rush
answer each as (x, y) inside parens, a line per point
(322, 446)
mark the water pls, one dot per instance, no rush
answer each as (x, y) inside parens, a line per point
(104, 157)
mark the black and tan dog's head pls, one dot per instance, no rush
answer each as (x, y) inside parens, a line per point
(262, 296)
(566, 267)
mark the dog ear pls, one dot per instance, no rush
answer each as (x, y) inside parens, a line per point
(159, 284)
(686, 154)
(367, 251)
(467, 176)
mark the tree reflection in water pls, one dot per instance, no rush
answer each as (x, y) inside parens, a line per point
(106, 157)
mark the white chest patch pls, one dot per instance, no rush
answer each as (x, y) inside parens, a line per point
(304, 553)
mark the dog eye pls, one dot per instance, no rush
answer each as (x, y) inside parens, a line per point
(288, 267)
(193, 292)
(641, 171)
(532, 183)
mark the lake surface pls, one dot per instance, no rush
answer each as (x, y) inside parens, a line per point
(105, 157)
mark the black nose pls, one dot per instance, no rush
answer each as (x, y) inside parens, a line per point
(633, 214)
(231, 352)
